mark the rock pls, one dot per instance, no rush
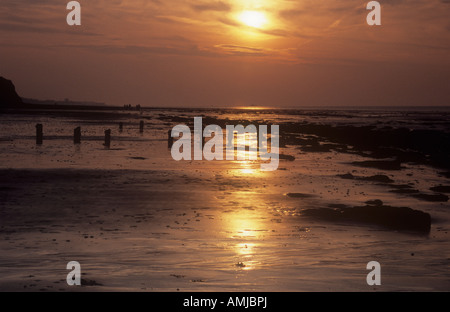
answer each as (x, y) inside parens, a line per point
(401, 186)
(319, 148)
(378, 178)
(286, 157)
(404, 191)
(379, 164)
(89, 282)
(420, 146)
(8, 94)
(299, 195)
(348, 176)
(441, 189)
(375, 202)
(375, 178)
(445, 174)
(432, 197)
(395, 218)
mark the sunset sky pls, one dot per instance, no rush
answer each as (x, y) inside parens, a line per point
(277, 53)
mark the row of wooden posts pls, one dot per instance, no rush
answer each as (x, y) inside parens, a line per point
(77, 134)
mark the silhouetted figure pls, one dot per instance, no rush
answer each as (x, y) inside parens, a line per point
(39, 134)
(141, 126)
(120, 126)
(77, 135)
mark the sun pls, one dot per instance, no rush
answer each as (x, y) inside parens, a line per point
(253, 18)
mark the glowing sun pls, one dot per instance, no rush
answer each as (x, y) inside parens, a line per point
(253, 18)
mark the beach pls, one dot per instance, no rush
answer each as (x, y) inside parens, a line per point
(137, 220)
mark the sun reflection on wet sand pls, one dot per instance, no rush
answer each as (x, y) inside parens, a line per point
(246, 155)
(246, 227)
(248, 171)
(246, 253)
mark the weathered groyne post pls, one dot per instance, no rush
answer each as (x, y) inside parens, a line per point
(39, 134)
(107, 138)
(203, 139)
(77, 135)
(170, 139)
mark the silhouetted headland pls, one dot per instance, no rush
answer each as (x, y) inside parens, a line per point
(12, 102)
(8, 95)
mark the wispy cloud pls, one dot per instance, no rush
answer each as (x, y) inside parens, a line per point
(258, 53)
(212, 6)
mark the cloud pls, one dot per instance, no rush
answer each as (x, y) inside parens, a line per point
(288, 55)
(178, 19)
(212, 6)
(17, 27)
(276, 32)
(239, 50)
(291, 13)
(229, 21)
(172, 47)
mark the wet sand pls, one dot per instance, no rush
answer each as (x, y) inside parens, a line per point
(138, 221)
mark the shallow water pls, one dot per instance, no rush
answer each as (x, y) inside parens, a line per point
(136, 219)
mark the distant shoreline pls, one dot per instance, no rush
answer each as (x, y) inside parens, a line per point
(77, 107)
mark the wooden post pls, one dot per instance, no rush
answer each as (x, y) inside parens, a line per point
(107, 138)
(39, 135)
(170, 140)
(120, 126)
(77, 135)
(141, 126)
(257, 140)
(203, 138)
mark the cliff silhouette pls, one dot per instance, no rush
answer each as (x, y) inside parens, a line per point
(8, 94)
(10, 101)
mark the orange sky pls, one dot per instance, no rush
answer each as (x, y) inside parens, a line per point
(201, 53)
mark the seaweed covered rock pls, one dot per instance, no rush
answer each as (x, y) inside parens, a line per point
(395, 218)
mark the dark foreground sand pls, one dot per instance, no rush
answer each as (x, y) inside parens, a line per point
(151, 230)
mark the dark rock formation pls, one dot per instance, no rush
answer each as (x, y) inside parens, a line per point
(300, 195)
(375, 202)
(379, 164)
(441, 189)
(378, 178)
(286, 157)
(347, 176)
(375, 213)
(417, 146)
(375, 178)
(432, 197)
(8, 94)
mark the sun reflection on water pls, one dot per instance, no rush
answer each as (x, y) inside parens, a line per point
(246, 228)
(247, 220)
